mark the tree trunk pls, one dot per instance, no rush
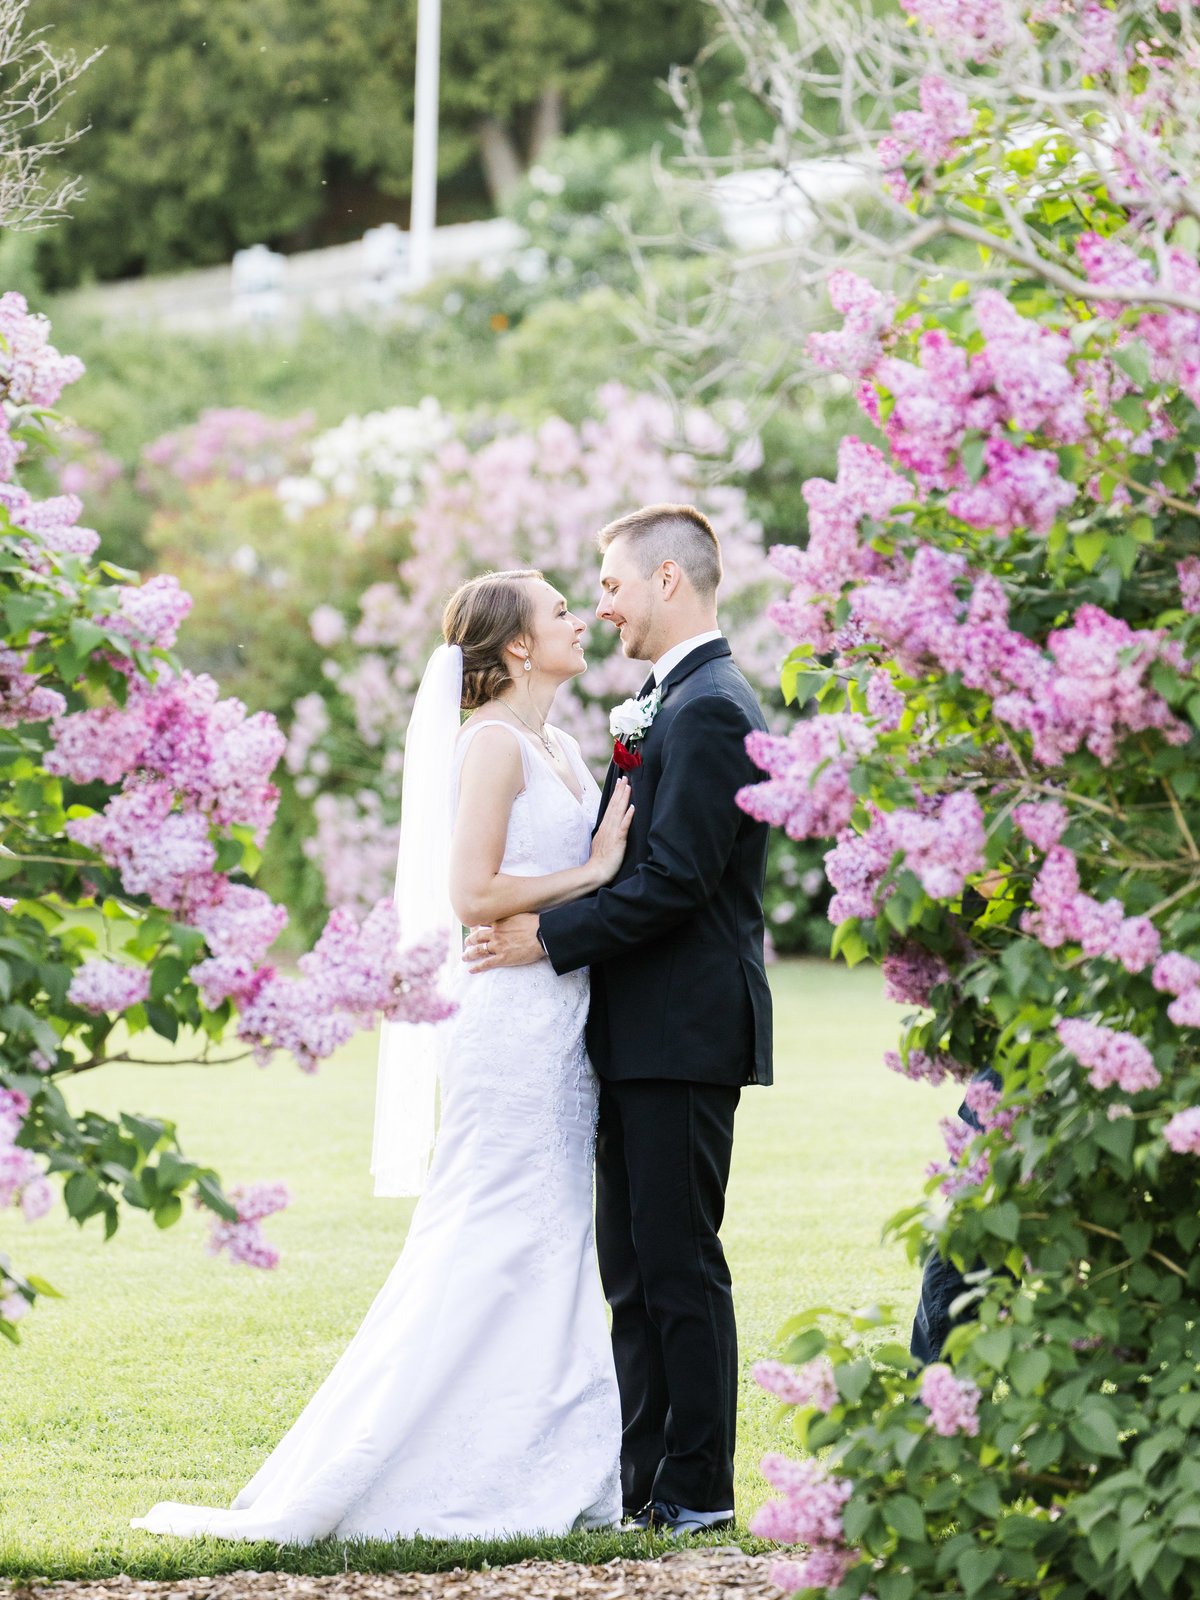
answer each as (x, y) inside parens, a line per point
(547, 121)
(501, 160)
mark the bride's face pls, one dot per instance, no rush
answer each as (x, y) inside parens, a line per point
(557, 637)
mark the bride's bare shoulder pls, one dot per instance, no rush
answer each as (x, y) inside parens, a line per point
(493, 752)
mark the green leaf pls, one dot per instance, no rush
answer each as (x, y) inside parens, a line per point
(902, 1513)
(1089, 547)
(971, 456)
(976, 1568)
(1003, 1220)
(209, 1189)
(852, 1379)
(1131, 411)
(1095, 1430)
(146, 1131)
(168, 973)
(1134, 360)
(174, 1171)
(994, 1346)
(168, 1211)
(1028, 1370)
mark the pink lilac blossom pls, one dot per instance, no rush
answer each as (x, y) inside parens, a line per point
(984, 1101)
(1188, 572)
(943, 849)
(22, 697)
(865, 487)
(808, 792)
(1175, 973)
(1184, 1011)
(920, 1067)
(855, 347)
(973, 28)
(53, 523)
(150, 613)
(22, 1181)
(13, 1305)
(1097, 694)
(931, 133)
(1098, 28)
(855, 867)
(937, 401)
(1031, 371)
(99, 986)
(952, 1402)
(1182, 1133)
(1020, 488)
(811, 1511)
(232, 443)
(884, 701)
(32, 372)
(1043, 822)
(810, 1385)
(821, 1569)
(1112, 1057)
(911, 972)
(351, 975)
(158, 851)
(1173, 335)
(244, 1239)
(327, 624)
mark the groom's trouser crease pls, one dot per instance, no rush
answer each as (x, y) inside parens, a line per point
(662, 1167)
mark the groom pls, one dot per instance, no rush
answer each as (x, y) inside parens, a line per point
(680, 1013)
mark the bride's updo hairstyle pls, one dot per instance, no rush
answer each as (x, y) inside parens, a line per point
(483, 617)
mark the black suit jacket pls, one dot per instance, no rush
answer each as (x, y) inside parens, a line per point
(675, 943)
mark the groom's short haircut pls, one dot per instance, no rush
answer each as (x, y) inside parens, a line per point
(670, 533)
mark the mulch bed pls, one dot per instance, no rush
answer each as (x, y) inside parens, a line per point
(723, 1573)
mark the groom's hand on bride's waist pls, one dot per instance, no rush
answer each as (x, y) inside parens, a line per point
(511, 942)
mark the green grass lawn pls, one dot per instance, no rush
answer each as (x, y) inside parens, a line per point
(164, 1374)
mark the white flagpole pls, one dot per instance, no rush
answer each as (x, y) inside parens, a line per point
(425, 140)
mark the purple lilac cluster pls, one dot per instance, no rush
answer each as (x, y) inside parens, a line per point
(1188, 573)
(810, 1513)
(244, 1239)
(32, 373)
(868, 314)
(1043, 822)
(911, 972)
(834, 556)
(945, 118)
(22, 697)
(1179, 975)
(1182, 1133)
(228, 442)
(99, 986)
(920, 1067)
(808, 792)
(1173, 335)
(984, 1101)
(353, 974)
(1065, 915)
(22, 1181)
(958, 1174)
(150, 613)
(973, 28)
(813, 1384)
(953, 1404)
(1111, 1057)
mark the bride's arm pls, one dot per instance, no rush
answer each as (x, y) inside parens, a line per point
(490, 781)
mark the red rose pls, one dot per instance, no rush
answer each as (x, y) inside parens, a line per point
(625, 758)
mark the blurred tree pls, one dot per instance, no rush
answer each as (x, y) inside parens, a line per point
(219, 123)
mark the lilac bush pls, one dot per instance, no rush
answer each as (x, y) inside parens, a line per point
(135, 806)
(995, 642)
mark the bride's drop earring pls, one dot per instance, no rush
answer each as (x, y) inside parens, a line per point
(528, 664)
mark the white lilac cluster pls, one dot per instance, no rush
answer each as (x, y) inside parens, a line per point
(373, 463)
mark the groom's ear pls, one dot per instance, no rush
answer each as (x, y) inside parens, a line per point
(670, 576)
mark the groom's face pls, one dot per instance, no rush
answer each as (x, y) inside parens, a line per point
(627, 601)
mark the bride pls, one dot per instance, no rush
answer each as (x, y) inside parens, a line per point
(478, 1398)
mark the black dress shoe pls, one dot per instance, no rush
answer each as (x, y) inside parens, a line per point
(673, 1519)
(639, 1520)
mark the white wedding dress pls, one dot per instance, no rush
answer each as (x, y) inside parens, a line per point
(478, 1398)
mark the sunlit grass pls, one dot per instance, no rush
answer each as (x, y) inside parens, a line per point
(163, 1374)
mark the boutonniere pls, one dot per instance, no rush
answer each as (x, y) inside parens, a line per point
(629, 723)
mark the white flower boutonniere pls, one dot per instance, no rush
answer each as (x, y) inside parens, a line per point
(630, 721)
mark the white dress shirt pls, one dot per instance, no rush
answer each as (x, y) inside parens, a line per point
(672, 657)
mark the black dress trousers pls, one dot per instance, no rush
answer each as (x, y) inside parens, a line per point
(662, 1164)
